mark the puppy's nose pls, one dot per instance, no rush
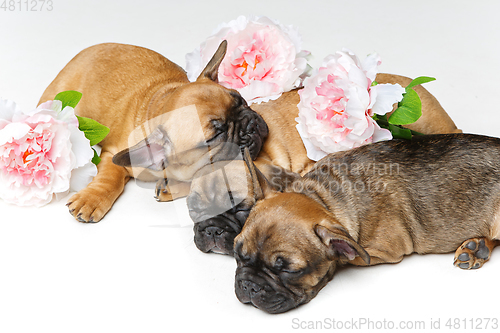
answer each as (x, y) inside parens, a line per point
(213, 231)
(250, 288)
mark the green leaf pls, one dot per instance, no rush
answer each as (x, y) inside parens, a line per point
(381, 120)
(96, 159)
(69, 98)
(409, 109)
(397, 131)
(400, 133)
(416, 133)
(93, 131)
(419, 80)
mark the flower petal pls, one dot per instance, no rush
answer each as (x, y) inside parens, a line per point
(313, 153)
(68, 116)
(7, 109)
(383, 97)
(381, 134)
(13, 131)
(80, 146)
(82, 176)
(370, 66)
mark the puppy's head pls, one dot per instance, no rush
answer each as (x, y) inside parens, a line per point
(219, 203)
(193, 125)
(220, 199)
(288, 249)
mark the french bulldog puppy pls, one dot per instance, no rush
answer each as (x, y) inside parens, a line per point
(221, 200)
(367, 206)
(217, 220)
(162, 126)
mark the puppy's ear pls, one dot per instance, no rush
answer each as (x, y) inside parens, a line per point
(211, 71)
(339, 244)
(259, 184)
(149, 153)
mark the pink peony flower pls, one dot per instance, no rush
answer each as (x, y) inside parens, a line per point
(337, 104)
(42, 153)
(263, 58)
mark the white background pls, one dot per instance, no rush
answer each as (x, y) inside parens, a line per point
(138, 270)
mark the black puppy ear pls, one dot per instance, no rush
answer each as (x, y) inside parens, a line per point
(211, 71)
(260, 184)
(149, 153)
(340, 244)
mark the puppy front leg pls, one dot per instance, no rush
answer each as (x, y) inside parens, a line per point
(94, 201)
(168, 190)
(377, 257)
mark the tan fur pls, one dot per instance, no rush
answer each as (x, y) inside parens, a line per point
(495, 230)
(283, 146)
(126, 88)
(282, 149)
(130, 90)
(351, 208)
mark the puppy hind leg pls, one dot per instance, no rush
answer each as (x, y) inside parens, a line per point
(474, 252)
(94, 201)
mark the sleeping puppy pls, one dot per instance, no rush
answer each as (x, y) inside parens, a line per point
(220, 199)
(367, 206)
(162, 127)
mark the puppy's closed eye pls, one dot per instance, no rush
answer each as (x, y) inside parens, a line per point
(220, 129)
(282, 266)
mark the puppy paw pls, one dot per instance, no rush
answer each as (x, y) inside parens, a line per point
(473, 253)
(162, 194)
(89, 205)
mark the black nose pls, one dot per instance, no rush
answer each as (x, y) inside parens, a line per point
(213, 231)
(250, 288)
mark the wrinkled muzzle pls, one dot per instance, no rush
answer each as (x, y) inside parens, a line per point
(216, 235)
(262, 291)
(251, 130)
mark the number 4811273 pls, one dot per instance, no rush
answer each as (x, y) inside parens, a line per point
(27, 5)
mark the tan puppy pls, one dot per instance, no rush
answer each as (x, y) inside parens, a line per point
(174, 127)
(220, 201)
(370, 205)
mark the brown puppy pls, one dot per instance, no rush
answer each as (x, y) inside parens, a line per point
(219, 201)
(370, 205)
(174, 126)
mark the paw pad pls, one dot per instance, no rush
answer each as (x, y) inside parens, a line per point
(472, 254)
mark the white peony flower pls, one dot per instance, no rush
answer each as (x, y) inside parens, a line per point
(337, 104)
(263, 58)
(42, 153)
